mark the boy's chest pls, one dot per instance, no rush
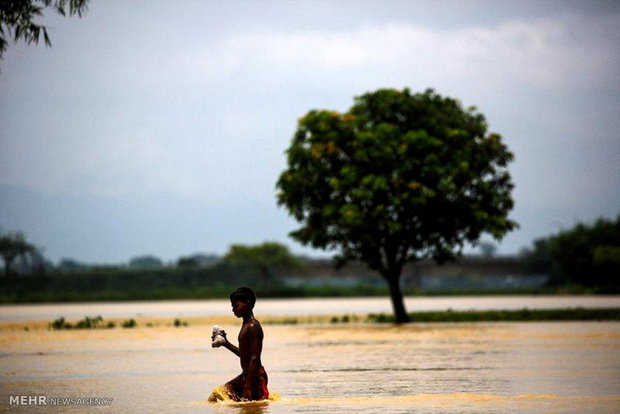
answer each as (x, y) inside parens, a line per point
(243, 335)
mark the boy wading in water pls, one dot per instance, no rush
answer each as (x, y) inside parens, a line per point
(251, 385)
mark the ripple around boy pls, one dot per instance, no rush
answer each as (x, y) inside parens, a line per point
(251, 384)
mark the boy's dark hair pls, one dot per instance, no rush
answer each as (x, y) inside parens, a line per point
(244, 294)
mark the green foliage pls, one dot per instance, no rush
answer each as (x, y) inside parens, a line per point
(198, 260)
(60, 323)
(518, 315)
(381, 318)
(399, 177)
(145, 262)
(264, 258)
(118, 285)
(17, 19)
(130, 323)
(178, 323)
(537, 259)
(345, 319)
(291, 320)
(89, 322)
(77, 288)
(12, 246)
(487, 249)
(187, 262)
(587, 255)
(267, 254)
(107, 283)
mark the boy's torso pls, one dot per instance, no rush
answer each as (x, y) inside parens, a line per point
(245, 339)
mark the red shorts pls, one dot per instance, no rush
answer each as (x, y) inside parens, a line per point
(259, 390)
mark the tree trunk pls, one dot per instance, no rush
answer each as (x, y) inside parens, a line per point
(393, 279)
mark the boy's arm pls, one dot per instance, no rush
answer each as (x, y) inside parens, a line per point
(255, 333)
(227, 344)
(231, 347)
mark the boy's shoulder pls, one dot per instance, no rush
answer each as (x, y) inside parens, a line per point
(254, 322)
(253, 326)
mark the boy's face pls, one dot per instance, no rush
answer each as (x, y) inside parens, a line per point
(240, 308)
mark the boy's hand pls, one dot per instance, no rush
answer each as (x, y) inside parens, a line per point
(222, 334)
(218, 338)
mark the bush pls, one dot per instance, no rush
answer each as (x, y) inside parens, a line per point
(131, 323)
(178, 323)
(89, 322)
(587, 255)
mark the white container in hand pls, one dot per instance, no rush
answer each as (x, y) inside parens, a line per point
(218, 338)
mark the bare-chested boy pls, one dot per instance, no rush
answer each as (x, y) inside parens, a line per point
(252, 383)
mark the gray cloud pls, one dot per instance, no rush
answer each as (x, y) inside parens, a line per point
(176, 117)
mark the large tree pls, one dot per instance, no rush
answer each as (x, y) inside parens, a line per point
(399, 177)
(17, 19)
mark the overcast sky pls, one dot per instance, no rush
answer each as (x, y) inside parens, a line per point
(159, 127)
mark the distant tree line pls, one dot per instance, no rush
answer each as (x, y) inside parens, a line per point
(23, 258)
(146, 277)
(262, 261)
(586, 254)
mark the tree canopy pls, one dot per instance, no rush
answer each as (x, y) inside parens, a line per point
(264, 257)
(398, 177)
(147, 261)
(12, 246)
(585, 254)
(17, 19)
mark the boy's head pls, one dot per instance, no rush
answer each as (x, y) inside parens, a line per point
(244, 294)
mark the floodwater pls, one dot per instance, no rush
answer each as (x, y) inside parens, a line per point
(566, 367)
(297, 307)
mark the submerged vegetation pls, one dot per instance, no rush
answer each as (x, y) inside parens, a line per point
(178, 323)
(89, 322)
(97, 322)
(450, 316)
(131, 323)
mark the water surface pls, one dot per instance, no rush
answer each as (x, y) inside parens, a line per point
(366, 368)
(310, 306)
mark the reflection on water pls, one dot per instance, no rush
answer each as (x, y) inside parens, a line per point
(415, 368)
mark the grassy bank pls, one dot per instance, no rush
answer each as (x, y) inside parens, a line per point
(519, 315)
